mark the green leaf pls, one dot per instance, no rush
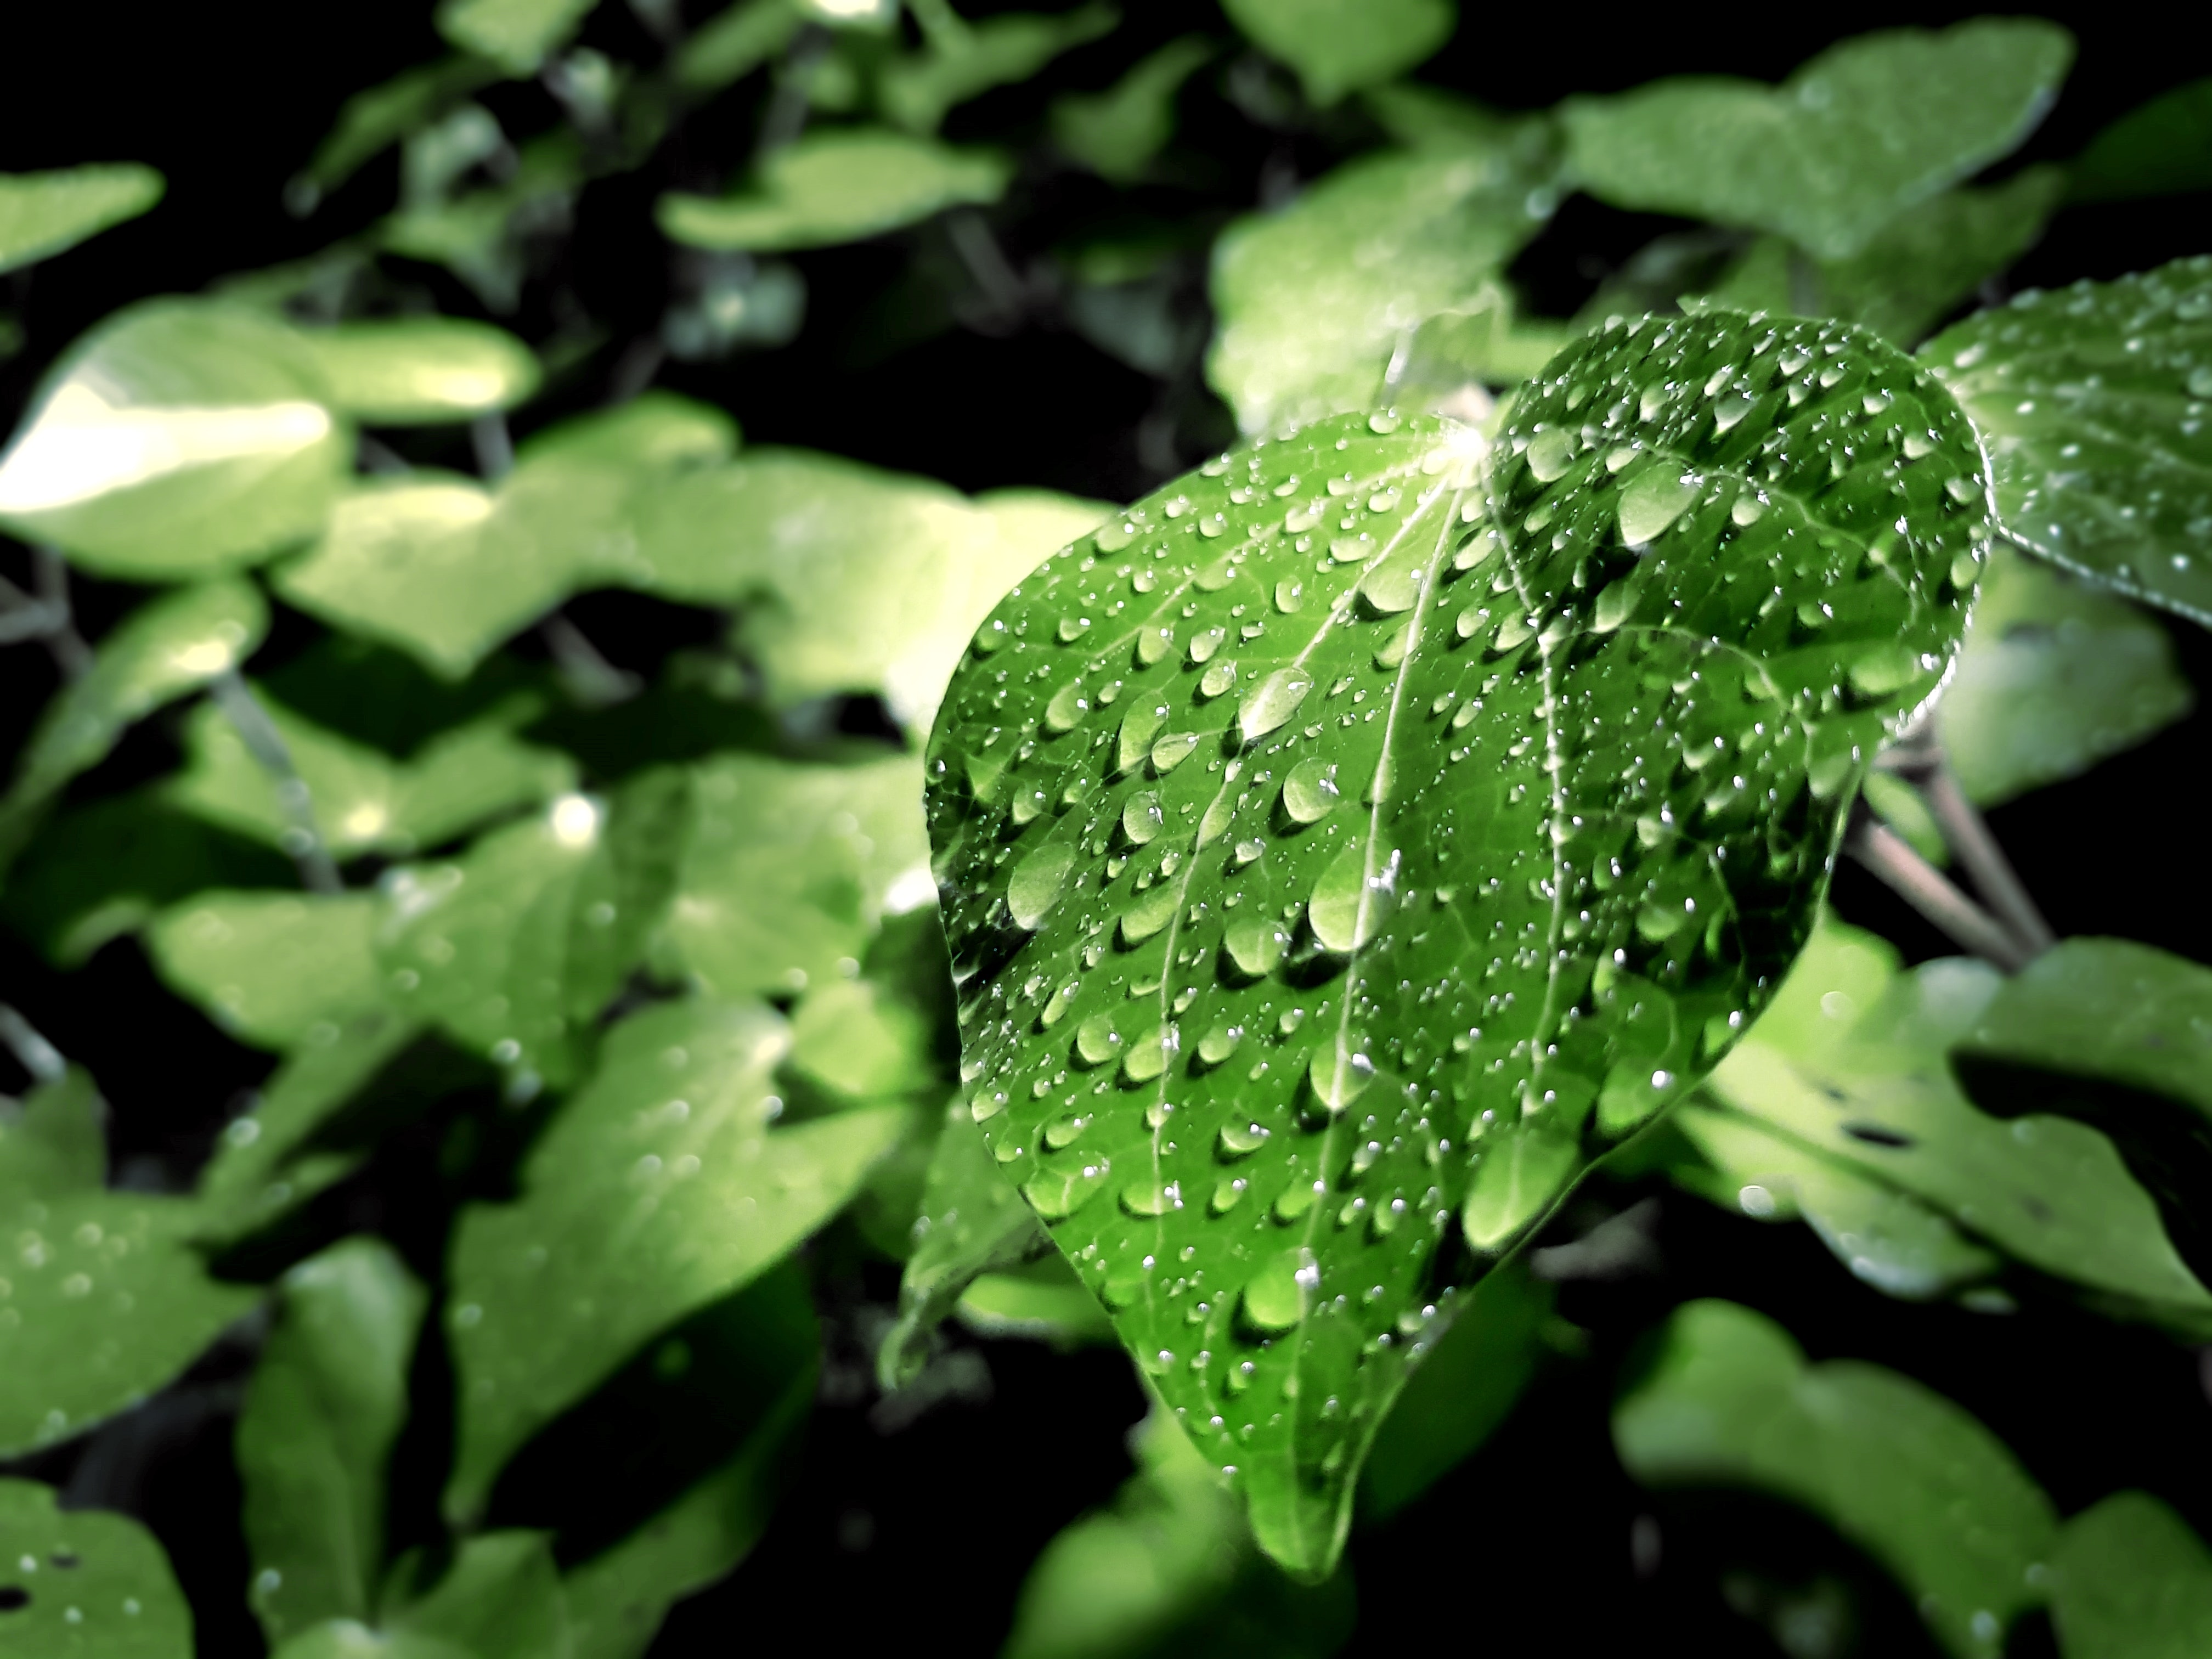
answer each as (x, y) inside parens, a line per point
(1117, 132)
(2163, 148)
(96, 1583)
(1896, 1469)
(274, 970)
(735, 42)
(1415, 115)
(371, 122)
(655, 430)
(1358, 717)
(1900, 805)
(837, 186)
(515, 35)
(2118, 1035)
(1314, 298)
(633, 1214)
(1040, 1301)
(363, 800)
(1866, 130)
(2055, 676)
(789, 869)
(499, 1599)
(1458, 1396)
(2131, 1580)
(51, 1146)
(321, 1415)
(1340, 46)
(2091, 401)
(418, 370)
(43, 214)
(862, 1040)
(179, 437)
(1448, 362)
(483, 237)
(167, 647)
(917, 91)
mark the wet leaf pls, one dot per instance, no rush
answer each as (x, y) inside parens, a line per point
(1314, 298)
(1896, 1469)
(2161, 147)
(1855, 136)
(43, 214)
(1117, 132)
(419, 370)
(1340, 46)
(658, 1188)
(321, 1413)
(178, 437)
(2055, 676)
(962, 59)
(2131, 1580)
(1367, 723)
(515, 35)
(95, 1581)
(274, 970)
(837, 186)
(2093, 400)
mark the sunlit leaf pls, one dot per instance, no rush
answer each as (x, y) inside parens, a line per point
(516, 34)
(1447, 364)
(415, 370)
(179, 437)
(654, 430)
(837, 186)
(1340, 46)
(2131, 1580)
(93, 1581)
(1899, 1470)
(1905, 810)
(1854, 138)
(659, 1187)
(321, 1413)
(855, 1037)
(2163, 148)
(735, 42)
(2054, 677)
(1352, 716)
(2093, 401)
(1314, 298)
(1115, 133)
(272, 969)
(43, 214)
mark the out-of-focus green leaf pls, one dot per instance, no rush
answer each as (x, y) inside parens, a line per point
(515, 35)
(420, 370)
(1899, 1470)
(1115, 133)
(481, 237)
(1458, 1394)
(1340, 46)
(274, 970)
(2093, 400)
(166, 649)
(179, 437)
(1313, 299)
(1866, 130)
(2055, 676)
(51, 1146)
(837, 186)
(858, 1038)
(370, 122)
(789, 868)
(959, 62)
(1039, 1301)
(2131, 1580)
(655, 430)
(43, 214)
(2163, 148)
(501, 1598)
(1900, 806)
(362, 799)
(735, 42)
(321, 1413)
(95, 1582)
(1171, 1566)
(1416, 115)
(1447, 364)
(659, 1187)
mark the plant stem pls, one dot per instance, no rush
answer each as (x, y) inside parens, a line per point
(71, 653)
(1928, 890)
(593, 680)
(1969, 834)
(32, 1052)
(303, 840)
(495, 449)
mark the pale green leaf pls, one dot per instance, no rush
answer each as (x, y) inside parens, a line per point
(325, 1404)
(370, 122)
(1040, 1301)
(1447, 364)
(1313, 299)
(418, 370)
(98, 1584)
(1899, 1470)
(482, 237)
(736, 42)
(179, 437)
(1115, 133)
(1340, 46)
(516, 34)
(1902, 808)
(2131, 1581)
(860, 1039)
(501, 1598)
(1416, 115)
(1363, 708)
(52, 1143)
(1866, 130)
(274, 970)
(655, 430)
(2093, 400)
(837, 186)
(2055, 676)
(2163, 148)
(917, 91)
(43, 214)
(659, 1187)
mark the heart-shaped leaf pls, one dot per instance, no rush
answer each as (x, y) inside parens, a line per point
(1374, 824)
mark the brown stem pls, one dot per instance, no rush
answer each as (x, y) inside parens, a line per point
(1969, 834)
(1928, 890)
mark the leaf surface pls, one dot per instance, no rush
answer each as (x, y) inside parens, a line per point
(2161, 147)
(1117, 132)
(2133, 1582)
(516, 34)
(43, 214)
(842, 186)
(274, 970)
(961, 62)
(1340, 46)
(95, 1581)
(420, 370)
(1336, 842)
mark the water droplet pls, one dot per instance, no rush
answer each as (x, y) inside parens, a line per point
(1034, 888)
(1549, 453)
(1243, 1139)
(1392, 650)
(1350, 901)
(1204, 643)
(1653, 500)
(1228, 1193)
(1747, 510)
(1139, 727)
(1217, 679)
(1141, 819)
(1149, 1054)
(1255, 945)
(1172, 750)
(1219, 812)
(1276, 1297)
(1338, 1076)
(2200, 382)
(1096, 1042)
(1384, 421)
(1056, 1194)
(1153, 643)
(1290, 594)
(1061, 1131)
(1148, 1198)
(1068, 707)
(1218, 1044)
(1273, 702)
(1152, 910)
(1352, 549)
(1394, 585)
(1309, 792)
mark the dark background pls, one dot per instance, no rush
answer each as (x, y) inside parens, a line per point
(925, 1533)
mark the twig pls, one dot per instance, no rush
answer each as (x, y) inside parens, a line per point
(379, 458)
(1967, 831)
(32, 1052)
(594, 681)
(1928, 890)
(785, 117)
(50, 574)
(303, 838)
(495, 449)
(987, 264)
